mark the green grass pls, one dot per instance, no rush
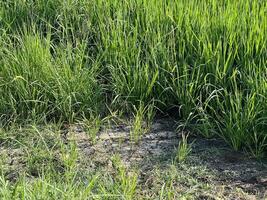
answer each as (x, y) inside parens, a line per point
(184, 149)
(37, 164)
(66, 61)
(47, 168)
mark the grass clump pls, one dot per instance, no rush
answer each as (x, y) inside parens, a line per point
(142, 114)
(184, 149)
(37, 85)
(69, 60)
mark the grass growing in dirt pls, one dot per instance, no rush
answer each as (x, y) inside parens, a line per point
(39, 163)
(65, 60)
(204, 62)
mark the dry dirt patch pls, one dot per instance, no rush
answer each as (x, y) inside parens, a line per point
(232, 171)
(211, 171)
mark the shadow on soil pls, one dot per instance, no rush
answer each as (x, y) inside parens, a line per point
(231, 169)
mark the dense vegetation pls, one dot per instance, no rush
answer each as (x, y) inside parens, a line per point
(73, 59)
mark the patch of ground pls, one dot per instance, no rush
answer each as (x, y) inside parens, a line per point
(212, 163)
(211, 171)
(160, 142)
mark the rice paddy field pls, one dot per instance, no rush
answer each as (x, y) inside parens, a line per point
(63, 63)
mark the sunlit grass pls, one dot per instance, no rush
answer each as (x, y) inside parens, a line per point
(70, 60)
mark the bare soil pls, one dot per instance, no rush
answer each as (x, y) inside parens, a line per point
(212, 170)
(232, 171)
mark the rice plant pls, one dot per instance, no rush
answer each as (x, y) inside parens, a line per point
(69, 60)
